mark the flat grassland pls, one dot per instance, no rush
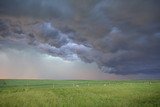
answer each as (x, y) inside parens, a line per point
(79, 93)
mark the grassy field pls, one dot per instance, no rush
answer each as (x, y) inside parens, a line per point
(79, 93)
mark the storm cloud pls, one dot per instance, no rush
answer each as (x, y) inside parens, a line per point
(122, 37)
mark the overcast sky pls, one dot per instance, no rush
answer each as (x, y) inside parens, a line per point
(80, 39)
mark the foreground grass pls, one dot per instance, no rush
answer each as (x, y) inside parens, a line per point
(110, 94)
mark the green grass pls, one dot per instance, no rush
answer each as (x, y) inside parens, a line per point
(41, 93)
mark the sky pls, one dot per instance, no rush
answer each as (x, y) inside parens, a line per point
(80, 39)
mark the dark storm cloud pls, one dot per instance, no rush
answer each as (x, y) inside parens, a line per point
(45, 37)
(121, 36)
(36, 8)
(130, 44)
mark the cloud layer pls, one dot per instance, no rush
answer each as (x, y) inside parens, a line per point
(120, 36)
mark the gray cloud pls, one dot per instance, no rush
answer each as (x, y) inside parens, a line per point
(121, 36)
(36, 8)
